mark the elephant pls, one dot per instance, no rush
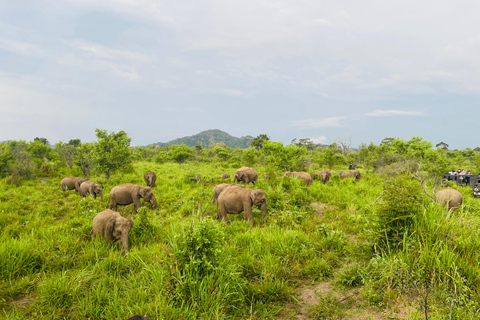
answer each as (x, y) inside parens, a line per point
(150, 177)
(325, 175)
(70, 183)
(225, 176)
(127, 193)
(112, 226)
(237, 200)
(91, 188)
(307, 178)
(245, 175)
(350, 174)
(220, 187)
(451, 197)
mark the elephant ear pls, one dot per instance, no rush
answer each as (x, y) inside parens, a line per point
(130, 222)
(142, 192)
(109, 228)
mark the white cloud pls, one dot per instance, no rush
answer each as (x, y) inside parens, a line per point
(322, 123)
(390, 113)
(321, 139)
(18, 46)
(322, 22)
(103, 52)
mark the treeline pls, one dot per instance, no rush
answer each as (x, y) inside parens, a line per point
(21, 160)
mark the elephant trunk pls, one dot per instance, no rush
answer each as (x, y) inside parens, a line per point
(101, 195)
(123, 241)
(153, 200)
(264, 211)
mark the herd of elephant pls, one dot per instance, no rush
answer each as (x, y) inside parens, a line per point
(230, 198)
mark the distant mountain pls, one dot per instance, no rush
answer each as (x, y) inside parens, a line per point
(205, 137)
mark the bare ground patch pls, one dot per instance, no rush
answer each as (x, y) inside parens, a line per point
(355, 307)
(23, 302)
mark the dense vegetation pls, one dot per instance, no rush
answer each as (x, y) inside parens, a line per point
(326, 251)
(210, 138)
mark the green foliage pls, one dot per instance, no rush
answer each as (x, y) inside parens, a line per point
(180, 153)
(184, 264)
(287, 157)
(401, 202)
(18, 258)
(331, 157)
(85, 159)
(111, 151)
(6, 158)
(67, 153)
(198, 248)
(259, 140)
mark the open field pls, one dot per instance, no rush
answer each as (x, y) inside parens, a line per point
(321, 254)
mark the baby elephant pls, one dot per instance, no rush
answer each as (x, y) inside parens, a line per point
(91, 188)
(112, 226)
(237, 200)
(225, 176)
(150, 177)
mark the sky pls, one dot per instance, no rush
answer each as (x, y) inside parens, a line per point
(359, 71)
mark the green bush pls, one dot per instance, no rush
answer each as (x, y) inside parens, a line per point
(401, 201)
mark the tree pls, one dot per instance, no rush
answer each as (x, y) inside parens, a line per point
(84, 158)
(284, 157)
(306, 142)
(258, 141)
(42, 141)
(6, 159)
(75, 142)
(111, 151)
(180, 153)
(67, 153)
(442, 145)
(344, 143)
(366, 154)
(330, 157)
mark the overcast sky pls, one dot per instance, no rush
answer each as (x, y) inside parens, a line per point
(317, 69)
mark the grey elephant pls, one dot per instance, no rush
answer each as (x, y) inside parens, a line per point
(91, 188)
(128, 193)
(237, 200)
(325, 175)
(113, 227)
(150, 177)
(307, 178)
(220, 187)
(225, 176)
(350, 174)
(449, 197)
(71, 183)
(245, 175)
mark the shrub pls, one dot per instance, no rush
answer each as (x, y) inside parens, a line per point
(401, 202)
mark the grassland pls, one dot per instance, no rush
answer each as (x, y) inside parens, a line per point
(320, 255)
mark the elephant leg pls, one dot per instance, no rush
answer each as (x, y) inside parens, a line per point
(247, 208)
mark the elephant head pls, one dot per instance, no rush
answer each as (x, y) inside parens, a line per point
(259, 199)
(147, 194)
(239, 176)
(97, 189)
(119, 227)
